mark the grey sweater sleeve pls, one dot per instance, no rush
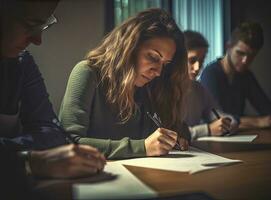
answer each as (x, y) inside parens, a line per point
(75, 116)
(200, 130)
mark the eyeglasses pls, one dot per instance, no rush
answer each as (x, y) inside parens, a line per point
(33, 28)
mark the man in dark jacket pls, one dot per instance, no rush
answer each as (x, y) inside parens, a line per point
(31, 138)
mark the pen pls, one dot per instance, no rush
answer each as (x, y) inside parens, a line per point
(159, 125)
(216, 113)
(218, 117)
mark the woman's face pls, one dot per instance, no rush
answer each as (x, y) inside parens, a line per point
(152, 56)
(195, 60)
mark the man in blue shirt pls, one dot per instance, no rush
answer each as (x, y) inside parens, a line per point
(27, 120)
(231, 82)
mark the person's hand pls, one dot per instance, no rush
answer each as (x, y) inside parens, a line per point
(183, 143)
(160, 142)
(220, 126)
(264, 121)
(67, 161)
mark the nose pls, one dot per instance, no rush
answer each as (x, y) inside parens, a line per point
(36, 39)
(244, 59)
(157, 72)
(196, 66)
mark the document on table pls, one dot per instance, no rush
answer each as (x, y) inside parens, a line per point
(233, 138)
(192, 161)
(125, 186)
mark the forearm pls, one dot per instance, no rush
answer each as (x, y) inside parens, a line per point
(18, 143)
(254, 122)
(200, 130)
(117, 149)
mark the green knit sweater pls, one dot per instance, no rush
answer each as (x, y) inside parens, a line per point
(86, 115)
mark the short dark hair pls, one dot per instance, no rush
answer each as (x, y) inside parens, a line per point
(195, 40)
(251, 33)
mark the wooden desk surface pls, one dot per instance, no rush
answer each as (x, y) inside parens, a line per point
(250, 179)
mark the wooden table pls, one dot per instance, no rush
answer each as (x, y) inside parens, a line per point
(250, 179)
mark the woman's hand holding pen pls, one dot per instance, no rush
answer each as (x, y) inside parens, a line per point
(183, 143)
(67, 161)
(160, 142)
(220, 126)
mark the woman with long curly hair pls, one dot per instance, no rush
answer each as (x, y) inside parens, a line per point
(140, 69)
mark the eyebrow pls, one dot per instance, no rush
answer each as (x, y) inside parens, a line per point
(245, 53)
(168, 61)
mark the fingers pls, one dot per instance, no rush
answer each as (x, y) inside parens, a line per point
(160, 142)
(89, 151)
(168, 137)
(183, 143)
(90, 156)
(87, 158)
(220, 126)
(79, 170)
(90, 162)
(226, 125)
(85, 149)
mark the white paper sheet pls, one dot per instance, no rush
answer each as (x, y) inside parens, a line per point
(234, 138)
(192, 161)
(125, 186)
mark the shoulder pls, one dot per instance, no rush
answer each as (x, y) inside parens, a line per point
(26, 60)
(212, 71)
(195, 84)
(28, 66)
(197, 88)
(248, 74)
(83, 66)
(25, 56)
(82, 70)
(213, 67)
(83, 77)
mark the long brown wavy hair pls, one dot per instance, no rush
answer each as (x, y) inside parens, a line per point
(115, 59)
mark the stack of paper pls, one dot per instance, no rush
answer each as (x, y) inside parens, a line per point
(192, 161)
(125, 186)
(234, 138)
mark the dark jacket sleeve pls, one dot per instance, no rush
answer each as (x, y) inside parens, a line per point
(40, 126)
(209, 80)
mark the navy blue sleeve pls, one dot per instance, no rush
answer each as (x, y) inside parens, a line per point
(257, 97)
(209, 79)
(37, 115)
(40, 126)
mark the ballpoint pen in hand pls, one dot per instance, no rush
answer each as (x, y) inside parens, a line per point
(158, 123)
(216, 113)
(227, 133)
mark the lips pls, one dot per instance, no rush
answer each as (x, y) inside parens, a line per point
(148, 79)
